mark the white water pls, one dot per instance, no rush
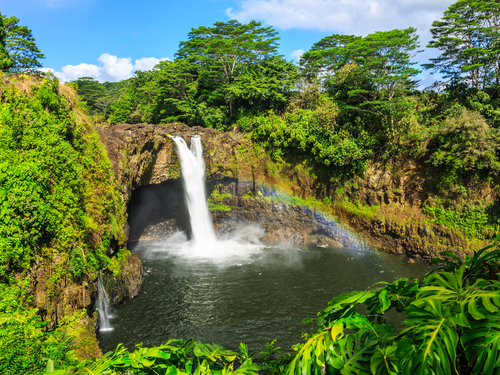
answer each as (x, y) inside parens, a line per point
(193, 175)
(103, 307)
(203, 243)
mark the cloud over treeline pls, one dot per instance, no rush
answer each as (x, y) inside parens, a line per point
(111, 68)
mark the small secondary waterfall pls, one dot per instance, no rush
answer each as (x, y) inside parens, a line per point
(193, 175)
(103, 307)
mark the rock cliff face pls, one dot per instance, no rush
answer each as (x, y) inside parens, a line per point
(284, 223)
(127, 283)
(144, 154)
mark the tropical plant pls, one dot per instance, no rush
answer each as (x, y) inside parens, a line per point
(174, 357)
(452, 326)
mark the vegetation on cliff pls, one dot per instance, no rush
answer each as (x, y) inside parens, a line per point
(59, 215)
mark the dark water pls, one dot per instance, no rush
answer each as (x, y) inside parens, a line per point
(255, 301)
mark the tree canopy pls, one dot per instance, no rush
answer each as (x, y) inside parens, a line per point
(5, 60)
(221, 52)
(21, 47)
(468, 37)
(328, 55)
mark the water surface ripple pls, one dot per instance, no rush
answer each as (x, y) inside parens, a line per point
(263, 297)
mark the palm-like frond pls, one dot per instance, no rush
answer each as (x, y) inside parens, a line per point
(433, 340)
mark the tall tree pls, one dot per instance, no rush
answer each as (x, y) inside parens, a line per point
(171, 93)
(327, 56)
(386, 58)
(264, 86)
(5, 60)
(223, 49)
(21, 46)
(94, 94)
(468, 37)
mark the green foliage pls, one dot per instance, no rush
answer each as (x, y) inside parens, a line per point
(24, 346)
(273, 360)
(223, 52)
(172, 87)
(216, 198)
(313, 136)
(468, 39)
(174, 357)
(465, 147)
(5, 60)
(451, 325)
(55, 191)
(327, 56)
(21, 47)
(472, 221)
(356, 208)
(266, 85)
(93, 94)
(483, 264)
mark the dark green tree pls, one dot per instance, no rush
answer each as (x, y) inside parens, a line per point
(172, 93)
(266, 85)
(384, 69)
(21, 46)
(5, 60)
(222, 51)
(327, 56)
(94, 94)
(468, 37)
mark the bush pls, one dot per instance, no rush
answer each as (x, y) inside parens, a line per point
(313, 136)
(465, 147)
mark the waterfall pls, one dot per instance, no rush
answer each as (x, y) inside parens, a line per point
(236, 246)
(103, 307)
(193, 176)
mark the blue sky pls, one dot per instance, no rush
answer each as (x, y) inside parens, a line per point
(109, 39)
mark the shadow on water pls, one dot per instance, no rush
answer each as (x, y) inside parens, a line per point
(154, 204)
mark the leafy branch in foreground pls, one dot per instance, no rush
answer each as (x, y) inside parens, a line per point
(174, 357)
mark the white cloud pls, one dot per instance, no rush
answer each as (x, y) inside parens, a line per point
(148, 63)
(112, 68)
(297, 54)
(359, 17)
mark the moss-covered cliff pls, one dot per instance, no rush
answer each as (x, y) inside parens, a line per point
(61, 223)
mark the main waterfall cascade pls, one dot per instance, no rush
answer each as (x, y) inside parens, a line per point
(193, 175)
(103, 307)
(203, 244)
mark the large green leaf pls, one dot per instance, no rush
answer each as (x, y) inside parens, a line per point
(432, 340)
(383, 361)
(484, 296)
(482, 346)
(310, 358)
(351, 355)
(398, 294)
(342, 306)
(444, 286)
(214, 352)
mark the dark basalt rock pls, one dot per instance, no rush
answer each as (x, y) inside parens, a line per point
(127, 283)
